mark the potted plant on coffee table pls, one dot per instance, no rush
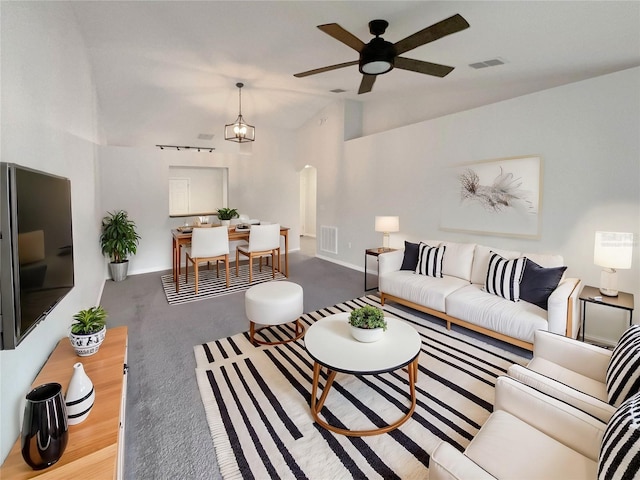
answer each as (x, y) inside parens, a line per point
(367, 323)
(118, 239)
(88, 330)
(225, 215)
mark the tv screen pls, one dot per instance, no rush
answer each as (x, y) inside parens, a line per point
(36, 254)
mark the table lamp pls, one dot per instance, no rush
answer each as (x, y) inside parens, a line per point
(612, 250)
(387, 225)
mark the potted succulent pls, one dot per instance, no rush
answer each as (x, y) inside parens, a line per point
(367, 323)
(88, 330)
(118, 239)
(225, 215)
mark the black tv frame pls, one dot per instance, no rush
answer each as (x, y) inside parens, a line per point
(11, 332)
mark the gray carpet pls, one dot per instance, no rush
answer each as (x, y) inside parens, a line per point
(166, 432)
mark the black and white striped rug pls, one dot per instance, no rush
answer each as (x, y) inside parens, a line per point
(257, 405)
(210, 286)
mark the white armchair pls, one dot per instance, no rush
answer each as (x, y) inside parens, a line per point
(529, 435)
(570, 370)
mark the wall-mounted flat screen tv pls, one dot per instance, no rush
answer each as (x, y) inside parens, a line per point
(36, 248)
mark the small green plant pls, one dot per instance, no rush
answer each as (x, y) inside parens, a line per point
(119, 237)
(227, 213)
(368, 317)
(89, 321)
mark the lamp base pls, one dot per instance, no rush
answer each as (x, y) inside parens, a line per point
(609, 282)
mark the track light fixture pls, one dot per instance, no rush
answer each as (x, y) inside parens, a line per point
(239, 131)
(186, 147)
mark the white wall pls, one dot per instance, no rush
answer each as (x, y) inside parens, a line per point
(264, 185)
(586, 133)
(49, 123)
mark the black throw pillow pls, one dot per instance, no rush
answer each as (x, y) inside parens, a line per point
(410, 260)
(538, 283)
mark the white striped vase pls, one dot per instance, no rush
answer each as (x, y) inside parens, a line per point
(80, 395)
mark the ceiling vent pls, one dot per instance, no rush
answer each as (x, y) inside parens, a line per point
(494, 62)
(337, 90)
(205, 136)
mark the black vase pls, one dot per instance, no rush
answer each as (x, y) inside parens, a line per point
(44, 428)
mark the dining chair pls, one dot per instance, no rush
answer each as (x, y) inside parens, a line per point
(264, 241)
(208, 245)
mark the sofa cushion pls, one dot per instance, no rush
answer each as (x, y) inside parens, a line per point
(619, 450)
(458, 259)
(545, 260)
(430, 260)
(623, 372)
(410, 260)
(515, 319)
(430, 292)
(481, 261)
(538, 283)
(498, 449)
(503, 277)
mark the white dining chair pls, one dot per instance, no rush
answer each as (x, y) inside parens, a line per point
(208, 245)
(264, 241)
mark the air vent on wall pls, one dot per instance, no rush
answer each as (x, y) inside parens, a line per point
(329, 239)
(494, 62)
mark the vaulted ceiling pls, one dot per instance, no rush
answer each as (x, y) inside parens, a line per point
(166, 71)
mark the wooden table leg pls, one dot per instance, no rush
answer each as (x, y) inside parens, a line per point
(316, 406)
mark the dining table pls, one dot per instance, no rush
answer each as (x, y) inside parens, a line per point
(181, 236)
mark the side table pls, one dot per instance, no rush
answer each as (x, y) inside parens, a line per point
(623, 301)
(374, 252)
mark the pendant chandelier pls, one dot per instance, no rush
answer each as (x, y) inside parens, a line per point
(239, 131)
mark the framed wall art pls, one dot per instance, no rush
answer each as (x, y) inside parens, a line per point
(494, 197)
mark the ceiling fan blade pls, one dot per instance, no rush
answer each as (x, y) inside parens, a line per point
(367, 83)
(419, 66)
(340, 34)
(325, 69)
(434, 32)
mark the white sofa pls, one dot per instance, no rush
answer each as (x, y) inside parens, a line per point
(459, 296)
(529, 435)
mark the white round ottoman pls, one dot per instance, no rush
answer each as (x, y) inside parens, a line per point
(274, 303)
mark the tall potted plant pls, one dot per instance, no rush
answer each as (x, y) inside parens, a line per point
(118, 239)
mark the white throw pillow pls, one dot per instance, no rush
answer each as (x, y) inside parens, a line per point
(457, 262)
(430, 260)
(503, 276)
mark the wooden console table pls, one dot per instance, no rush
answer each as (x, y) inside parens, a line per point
(96, 446)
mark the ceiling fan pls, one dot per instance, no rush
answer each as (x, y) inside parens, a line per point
(379, 56)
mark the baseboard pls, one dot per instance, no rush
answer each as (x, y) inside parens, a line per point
(339, 262)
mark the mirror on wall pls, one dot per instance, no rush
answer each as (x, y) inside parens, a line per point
(197, 190)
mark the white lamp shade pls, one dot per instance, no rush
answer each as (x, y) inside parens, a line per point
(387, 224)
(613, 249)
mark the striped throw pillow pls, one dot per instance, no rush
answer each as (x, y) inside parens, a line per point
(430, 260)
(623, 371)
(620, 450)
(503, 276)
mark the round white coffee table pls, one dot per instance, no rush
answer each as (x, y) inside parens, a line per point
(330, 345)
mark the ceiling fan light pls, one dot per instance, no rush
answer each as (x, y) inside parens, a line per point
(376, 67)
(377, 57)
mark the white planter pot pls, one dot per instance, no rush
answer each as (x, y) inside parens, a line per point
(225, 222)
(366, 335)
(86, 345)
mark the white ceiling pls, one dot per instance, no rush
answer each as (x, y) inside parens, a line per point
(166, 71)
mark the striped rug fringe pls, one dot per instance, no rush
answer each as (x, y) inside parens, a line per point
(257, 401)
(210, 286)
